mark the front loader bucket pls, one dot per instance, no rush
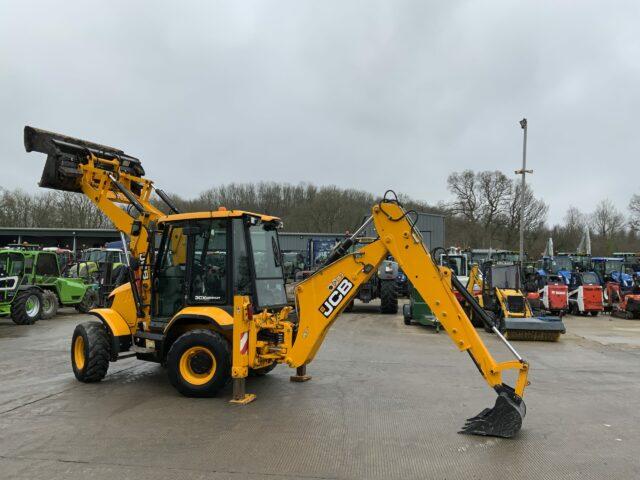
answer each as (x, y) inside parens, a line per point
(503, 420)
(65, 153)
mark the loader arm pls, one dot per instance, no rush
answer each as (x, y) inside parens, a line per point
(114, 183)
(322, 297)
(107, 176)
(474, 279)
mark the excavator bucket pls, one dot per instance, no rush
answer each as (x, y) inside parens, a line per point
(541, 329)
(65, 153)
(503, 420)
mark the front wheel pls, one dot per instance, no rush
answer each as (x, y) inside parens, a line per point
(199, 363)
(90, 352)
(406, 313)
(26, 308)
(388, 296)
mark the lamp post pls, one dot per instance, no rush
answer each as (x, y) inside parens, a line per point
(523, 172)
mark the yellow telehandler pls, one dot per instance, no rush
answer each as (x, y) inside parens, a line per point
(206, 293)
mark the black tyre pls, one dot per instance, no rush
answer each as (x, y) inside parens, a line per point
(388, 296)
(49, 304)
(406, 313)
(90, 351)
(26, 308)
(199, 363)
(89, 301)
(594, 313)
(261, 372)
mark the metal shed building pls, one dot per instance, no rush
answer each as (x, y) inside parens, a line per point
(430, 225)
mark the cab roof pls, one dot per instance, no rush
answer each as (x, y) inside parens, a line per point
(220, 213)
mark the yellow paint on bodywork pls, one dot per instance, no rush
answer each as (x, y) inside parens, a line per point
(214, 214)
(218, 315)
(115, 322)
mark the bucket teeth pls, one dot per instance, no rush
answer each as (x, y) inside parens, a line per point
(503, 420)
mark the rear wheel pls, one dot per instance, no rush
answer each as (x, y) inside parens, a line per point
(261, 372)
(199, 363)
(349, 307)
(90, 352)
(26, 308)
(388, 296)
(594, 313)
(89, 301)
(496, 321)
(49, 304)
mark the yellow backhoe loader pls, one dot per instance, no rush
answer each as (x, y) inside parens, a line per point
(497, 290)
(206, 293)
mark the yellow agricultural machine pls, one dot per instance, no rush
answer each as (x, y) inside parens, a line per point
(498, 291)
(207, 296)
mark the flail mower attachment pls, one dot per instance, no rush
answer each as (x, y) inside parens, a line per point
(537, 329)
(65, 153)
(503, 420)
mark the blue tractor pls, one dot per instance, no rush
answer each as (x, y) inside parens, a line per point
(612, 269)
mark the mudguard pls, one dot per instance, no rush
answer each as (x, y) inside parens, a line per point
(113, 320)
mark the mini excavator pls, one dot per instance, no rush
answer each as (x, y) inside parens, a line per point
(206, 295)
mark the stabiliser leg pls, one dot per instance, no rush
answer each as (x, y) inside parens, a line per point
(240, 357)
(301, 375)
(240, 396)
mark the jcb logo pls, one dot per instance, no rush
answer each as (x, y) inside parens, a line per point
(336, 297)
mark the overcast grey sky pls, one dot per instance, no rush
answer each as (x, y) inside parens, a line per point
(365, 94)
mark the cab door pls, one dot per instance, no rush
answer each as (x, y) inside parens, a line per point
(170, 273)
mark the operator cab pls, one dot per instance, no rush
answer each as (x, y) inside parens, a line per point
(204, 259)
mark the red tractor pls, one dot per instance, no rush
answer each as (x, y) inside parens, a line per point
(625, 305)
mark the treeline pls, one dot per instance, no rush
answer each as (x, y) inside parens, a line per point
(49, 209)
(483, 211)
(303, 207)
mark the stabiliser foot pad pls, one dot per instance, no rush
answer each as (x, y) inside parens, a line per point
(248, 398)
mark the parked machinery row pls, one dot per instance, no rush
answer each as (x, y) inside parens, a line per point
(35, 281)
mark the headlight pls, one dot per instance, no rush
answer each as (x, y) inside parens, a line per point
(388, 269)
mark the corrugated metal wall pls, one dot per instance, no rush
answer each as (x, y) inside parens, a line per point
(294, 241)
(429, 225)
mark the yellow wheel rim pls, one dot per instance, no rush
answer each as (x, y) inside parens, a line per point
(78, 352)
(197, 365)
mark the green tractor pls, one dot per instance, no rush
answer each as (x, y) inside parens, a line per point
(31, 287)
(417, 311)
(101, 268)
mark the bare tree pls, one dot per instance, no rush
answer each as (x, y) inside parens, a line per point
(634, 208)
(606, 220)
(466, 201)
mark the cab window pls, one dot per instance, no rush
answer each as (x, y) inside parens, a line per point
(47, 264)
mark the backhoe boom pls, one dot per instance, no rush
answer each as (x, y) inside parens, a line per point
(323, 296)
